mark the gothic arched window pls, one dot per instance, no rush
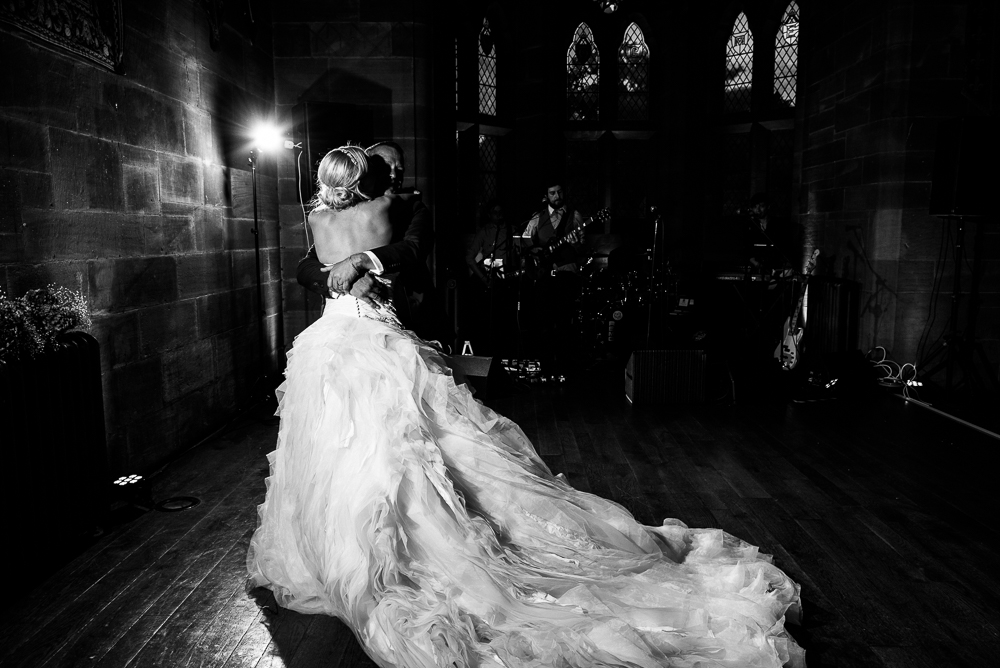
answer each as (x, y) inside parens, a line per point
(583, 76)
(786, 57)
(487, 71)
(739, 66)
(633, 76)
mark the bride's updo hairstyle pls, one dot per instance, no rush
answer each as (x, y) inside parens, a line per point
(338, 176)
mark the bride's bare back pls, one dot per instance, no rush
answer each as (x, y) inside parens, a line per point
(362, 227)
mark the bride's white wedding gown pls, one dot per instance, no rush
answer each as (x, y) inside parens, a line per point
(429, 524)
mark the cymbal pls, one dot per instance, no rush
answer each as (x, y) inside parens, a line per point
(605, 243)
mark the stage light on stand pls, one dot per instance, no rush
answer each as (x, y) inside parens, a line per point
(265, 138)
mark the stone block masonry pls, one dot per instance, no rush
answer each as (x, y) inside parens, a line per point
(122, 186)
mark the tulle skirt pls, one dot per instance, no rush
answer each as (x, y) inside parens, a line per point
(429, 524)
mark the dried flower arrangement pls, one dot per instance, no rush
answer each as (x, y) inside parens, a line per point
(30, 324)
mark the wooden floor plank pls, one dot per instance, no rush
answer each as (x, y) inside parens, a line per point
(896, 567)
(223, 633)
(185, 626)
(215, 545)
(161, 578)
(213, 480)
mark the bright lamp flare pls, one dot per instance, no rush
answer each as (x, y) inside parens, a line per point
(267, 137)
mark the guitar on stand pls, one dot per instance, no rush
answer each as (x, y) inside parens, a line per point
(787, 351)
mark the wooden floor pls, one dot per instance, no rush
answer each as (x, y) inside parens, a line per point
(884, 512)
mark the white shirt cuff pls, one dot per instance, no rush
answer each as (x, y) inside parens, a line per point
(375, 261)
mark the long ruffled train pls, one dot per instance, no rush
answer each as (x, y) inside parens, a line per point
(429, 524)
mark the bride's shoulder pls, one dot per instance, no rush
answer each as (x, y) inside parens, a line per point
(317, 216)
(382, 203)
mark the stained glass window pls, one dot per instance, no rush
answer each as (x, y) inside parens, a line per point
(633, 76)
(739, 66)
(786, 57)
(583, 76)
(488, 167)
(487, 71)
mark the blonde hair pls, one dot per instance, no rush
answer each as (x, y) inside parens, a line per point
(340, 171)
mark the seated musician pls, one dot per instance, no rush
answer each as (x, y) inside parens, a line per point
(488, 317)
(770, 241)
(492, 249)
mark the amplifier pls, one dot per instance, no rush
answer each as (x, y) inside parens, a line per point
(665, 376)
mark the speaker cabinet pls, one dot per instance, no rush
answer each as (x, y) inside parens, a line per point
(665, 377)
(485, 375)
(964, 168)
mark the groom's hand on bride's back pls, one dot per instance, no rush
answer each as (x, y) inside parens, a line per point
(366, 289)
(341, 277)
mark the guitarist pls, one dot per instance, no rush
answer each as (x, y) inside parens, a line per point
(557, 246)
(554, 221)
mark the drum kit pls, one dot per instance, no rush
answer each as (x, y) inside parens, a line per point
(616, 304)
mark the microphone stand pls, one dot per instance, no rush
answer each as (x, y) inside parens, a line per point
(521, 275)
(491, 276)
(260, 384)
(652, 273)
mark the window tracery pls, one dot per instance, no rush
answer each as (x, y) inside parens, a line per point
(739, 66)
(633, 76)
(786, 57)
(583, 76)
(487, 71)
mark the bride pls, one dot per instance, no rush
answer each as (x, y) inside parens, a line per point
(429, 524)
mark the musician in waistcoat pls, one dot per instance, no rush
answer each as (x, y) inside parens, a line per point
(556, 232)
(555, 221)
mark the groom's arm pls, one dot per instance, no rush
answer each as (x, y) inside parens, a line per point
(413, 249)
(403, 255)
(310, 274)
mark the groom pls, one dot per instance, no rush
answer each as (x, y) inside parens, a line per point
(406, 254)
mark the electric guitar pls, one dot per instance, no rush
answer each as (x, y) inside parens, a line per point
(787, 351)
(543, 256)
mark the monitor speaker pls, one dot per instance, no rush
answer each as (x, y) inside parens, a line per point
(485, 375)
(963, 170)
(665, 376)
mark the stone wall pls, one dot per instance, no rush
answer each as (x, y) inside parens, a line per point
(134, 189)
(880, 80)
(370, 56)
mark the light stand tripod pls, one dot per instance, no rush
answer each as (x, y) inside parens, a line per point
(261, 389)
(262, 365)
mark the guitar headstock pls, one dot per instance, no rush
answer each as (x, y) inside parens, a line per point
(602, 216)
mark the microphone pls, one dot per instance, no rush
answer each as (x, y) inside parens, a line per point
(654, 210)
